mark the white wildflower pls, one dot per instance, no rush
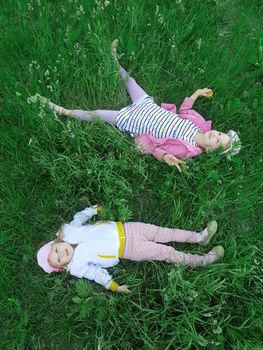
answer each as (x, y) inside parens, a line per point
(32, 99)
(30, 7)
(80, 11)
(199, 42)
(217, 330)
(223, 32)
(41, 114)
(194, 294)
(160, 19)
(202, 341)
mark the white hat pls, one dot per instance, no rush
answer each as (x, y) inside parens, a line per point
(235, 144)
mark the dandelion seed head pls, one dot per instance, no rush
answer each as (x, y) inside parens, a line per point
(199, 43)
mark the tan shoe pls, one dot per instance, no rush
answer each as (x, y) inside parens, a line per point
(218, 251)
(114, 46)
(211, 228)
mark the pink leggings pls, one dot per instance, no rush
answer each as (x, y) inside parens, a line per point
(142, 243)
(109, 116)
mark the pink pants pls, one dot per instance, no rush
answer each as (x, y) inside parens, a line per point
(142, 243)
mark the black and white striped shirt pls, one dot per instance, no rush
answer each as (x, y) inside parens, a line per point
(146, 117)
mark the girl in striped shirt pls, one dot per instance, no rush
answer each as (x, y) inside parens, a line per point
(160, 130)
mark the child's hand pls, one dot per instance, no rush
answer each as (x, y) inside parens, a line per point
(205, 92)
(99, 208)
(123, 289)
(172, 160)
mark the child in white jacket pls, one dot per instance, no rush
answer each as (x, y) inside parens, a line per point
(87, 250)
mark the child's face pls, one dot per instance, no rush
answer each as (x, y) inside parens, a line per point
(60, 254)
(214, 139)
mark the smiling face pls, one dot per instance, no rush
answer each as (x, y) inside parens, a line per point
(60, 254)
(214, 139)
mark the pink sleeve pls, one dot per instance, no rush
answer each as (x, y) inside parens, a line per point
(186, 105)
(146, 146)
(158, 153)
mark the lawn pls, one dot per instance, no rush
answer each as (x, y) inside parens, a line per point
(53, 166)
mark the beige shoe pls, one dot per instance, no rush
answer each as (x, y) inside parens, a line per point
(218, 251)
(114, 46)
(212, 229)
(42, 100)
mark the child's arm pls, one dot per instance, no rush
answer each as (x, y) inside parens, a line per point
(82, 216)
(123, 289)
(101, 276)
(189, 101)
(201, 92)
(147, 146)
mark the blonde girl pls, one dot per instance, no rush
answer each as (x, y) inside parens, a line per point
(160, 130)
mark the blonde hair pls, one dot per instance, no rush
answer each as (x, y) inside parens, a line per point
(60, 234)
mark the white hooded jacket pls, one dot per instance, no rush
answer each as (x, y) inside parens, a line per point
(97, 247)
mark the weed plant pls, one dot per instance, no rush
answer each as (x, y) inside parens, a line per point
(53, 166)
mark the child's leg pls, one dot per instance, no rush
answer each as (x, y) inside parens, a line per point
(161, 252)
(140, 246)
(164, 235)
(106, 115)
(134, 90)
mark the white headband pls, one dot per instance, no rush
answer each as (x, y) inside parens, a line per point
(235, 144)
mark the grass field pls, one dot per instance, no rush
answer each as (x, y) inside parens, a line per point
(52, 167)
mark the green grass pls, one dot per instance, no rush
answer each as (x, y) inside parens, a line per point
(51, 167)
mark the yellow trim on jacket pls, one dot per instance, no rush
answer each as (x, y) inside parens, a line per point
(113, 286)
(122, 238)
